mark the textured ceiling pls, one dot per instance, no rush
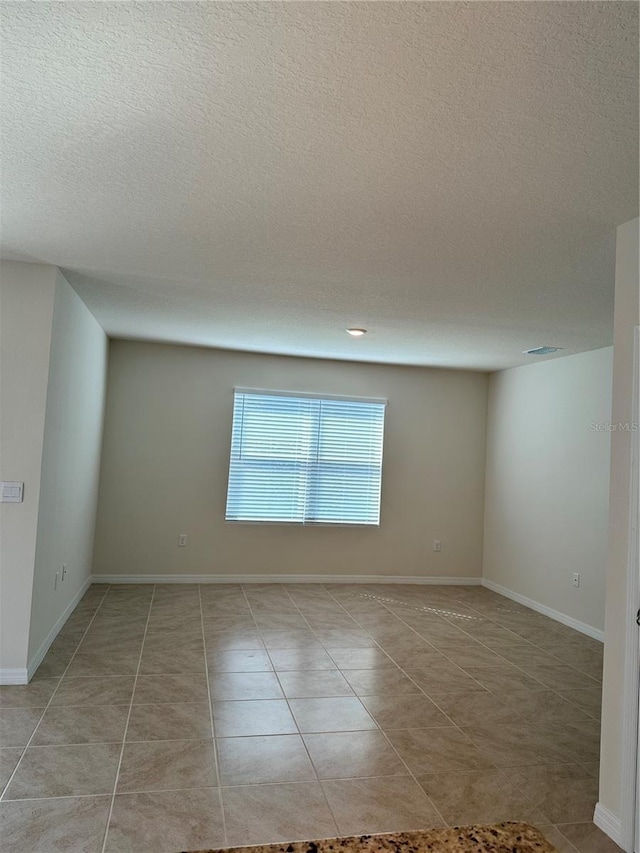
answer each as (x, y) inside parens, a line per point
(263, 175)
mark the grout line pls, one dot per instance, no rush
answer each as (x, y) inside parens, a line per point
(290, 709)
(495, 693)
(44, 710)
(126, 728)
(378, 729)
(381, 604)
(386, 737)
(500, 770)
(481, 643)
(213, 731)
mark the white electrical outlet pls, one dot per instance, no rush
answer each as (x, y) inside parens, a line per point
(437, 545)
(182, 540)
(576, 579)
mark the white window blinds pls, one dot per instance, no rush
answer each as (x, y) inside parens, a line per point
(305, 459)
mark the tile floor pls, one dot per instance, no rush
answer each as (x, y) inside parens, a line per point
(168, 718)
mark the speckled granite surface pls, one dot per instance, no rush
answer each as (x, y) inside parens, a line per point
(489, 838)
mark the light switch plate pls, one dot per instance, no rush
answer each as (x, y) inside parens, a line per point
(11, 493)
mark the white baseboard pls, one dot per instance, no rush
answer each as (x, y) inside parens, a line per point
(14, 676)
(384, 579)
(610, 824)
(546, 611)
(36, 660)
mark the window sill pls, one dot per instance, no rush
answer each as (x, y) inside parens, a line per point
(346, 524)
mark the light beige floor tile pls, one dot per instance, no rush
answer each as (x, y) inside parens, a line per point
(471, 655)
(443, 678)
(287, 620)
(167, 765)
(555, 837)
(478, 796)
(285, 660)
(126, 624)
(587, 838)
(566, 793)
(544, 717)
(122, 610)
(520, 744)
(54, 663)
(389, 804)
(172, 641)
(239, 660)
(542, 705)
(345, 755)
(387, 682)
(418, 659)
(262, 717)
(34, 695)
(235, 686)
(328, 614)
(236, 607)
(345, 638)
(8, 760)
(560, 677)
(271, 758)
(578, 739)
(107, 690)
(65, 771)
(116, 643)
(404, 712)
(160, 656)
(95, 724)
(403, 642)
(502, 679)
(54, 826)
(187, 626)
(467, 709)
(17, 725)
(575, 653)
(436, 749)
(240, 623)
(169, 722)
(172, 689)
(263, 814)
(166, 821)
(278, 638)
(232, 638)
(314, 683)
(367, 658)
(592, 767)
(106, 634)
(176, 595)
(526, 656)
(588, 699)
(187, 610)
(592, 671)
(103, 663)
(331, 715)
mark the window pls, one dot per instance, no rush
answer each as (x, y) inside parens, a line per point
(305, 459)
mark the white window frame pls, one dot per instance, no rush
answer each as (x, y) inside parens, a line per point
(317, 396)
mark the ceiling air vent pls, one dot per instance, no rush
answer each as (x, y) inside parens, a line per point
(541, 350)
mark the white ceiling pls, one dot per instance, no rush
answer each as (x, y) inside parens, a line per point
(262, 175)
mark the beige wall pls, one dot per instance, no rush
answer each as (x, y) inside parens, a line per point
(547, 482)
(70, 461)
(26, 309)
(166, 457)
(627, 316)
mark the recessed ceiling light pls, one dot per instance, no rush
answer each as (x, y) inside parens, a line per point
(545, 350)
(356, 333)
